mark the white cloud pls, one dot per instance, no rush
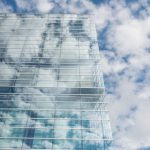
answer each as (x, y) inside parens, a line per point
(102, 16)
(23, 4)
(112, 66)
(131, 37)
(44, 6)
(128, 125)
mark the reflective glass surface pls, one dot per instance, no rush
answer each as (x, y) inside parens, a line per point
(51, 84)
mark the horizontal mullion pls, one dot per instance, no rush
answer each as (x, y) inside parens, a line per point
(36, 95)
(51, 101)
(55, 127)
(79, 99)
(42, 28)
(79, 68)
(79, 94)
(42, 63)
(27, 86)
(35, 138)
(45, 80)
(67, 29)
(52, 49)
(35, 40)
(69, 44)
(61, 75)
(44, 25)
(58, 57)
(62, 51)
(49, 65)
(48, 81)
(26, 35)
(57, 37)
(23, 148)
(57, 119)
(8, 14)
(87, 73)
(65, 109)
(47, 22)
(55, 97)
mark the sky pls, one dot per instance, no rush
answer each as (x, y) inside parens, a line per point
(123, 30)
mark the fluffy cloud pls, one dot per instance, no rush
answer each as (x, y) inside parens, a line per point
(129, 39)
(44, 6)
(24, 4)
(41, 6)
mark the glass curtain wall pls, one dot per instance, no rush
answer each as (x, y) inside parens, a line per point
(51, 84)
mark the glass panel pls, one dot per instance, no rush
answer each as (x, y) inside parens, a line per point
(10, 143)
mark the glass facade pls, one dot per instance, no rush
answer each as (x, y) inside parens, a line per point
(51, 84)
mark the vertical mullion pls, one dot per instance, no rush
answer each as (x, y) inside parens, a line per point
(18, 68)
(54, 116)
(81, 123)
(25, 131)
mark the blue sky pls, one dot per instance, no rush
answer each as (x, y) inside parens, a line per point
(124, 37)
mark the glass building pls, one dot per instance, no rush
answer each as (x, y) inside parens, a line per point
(51, 84)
